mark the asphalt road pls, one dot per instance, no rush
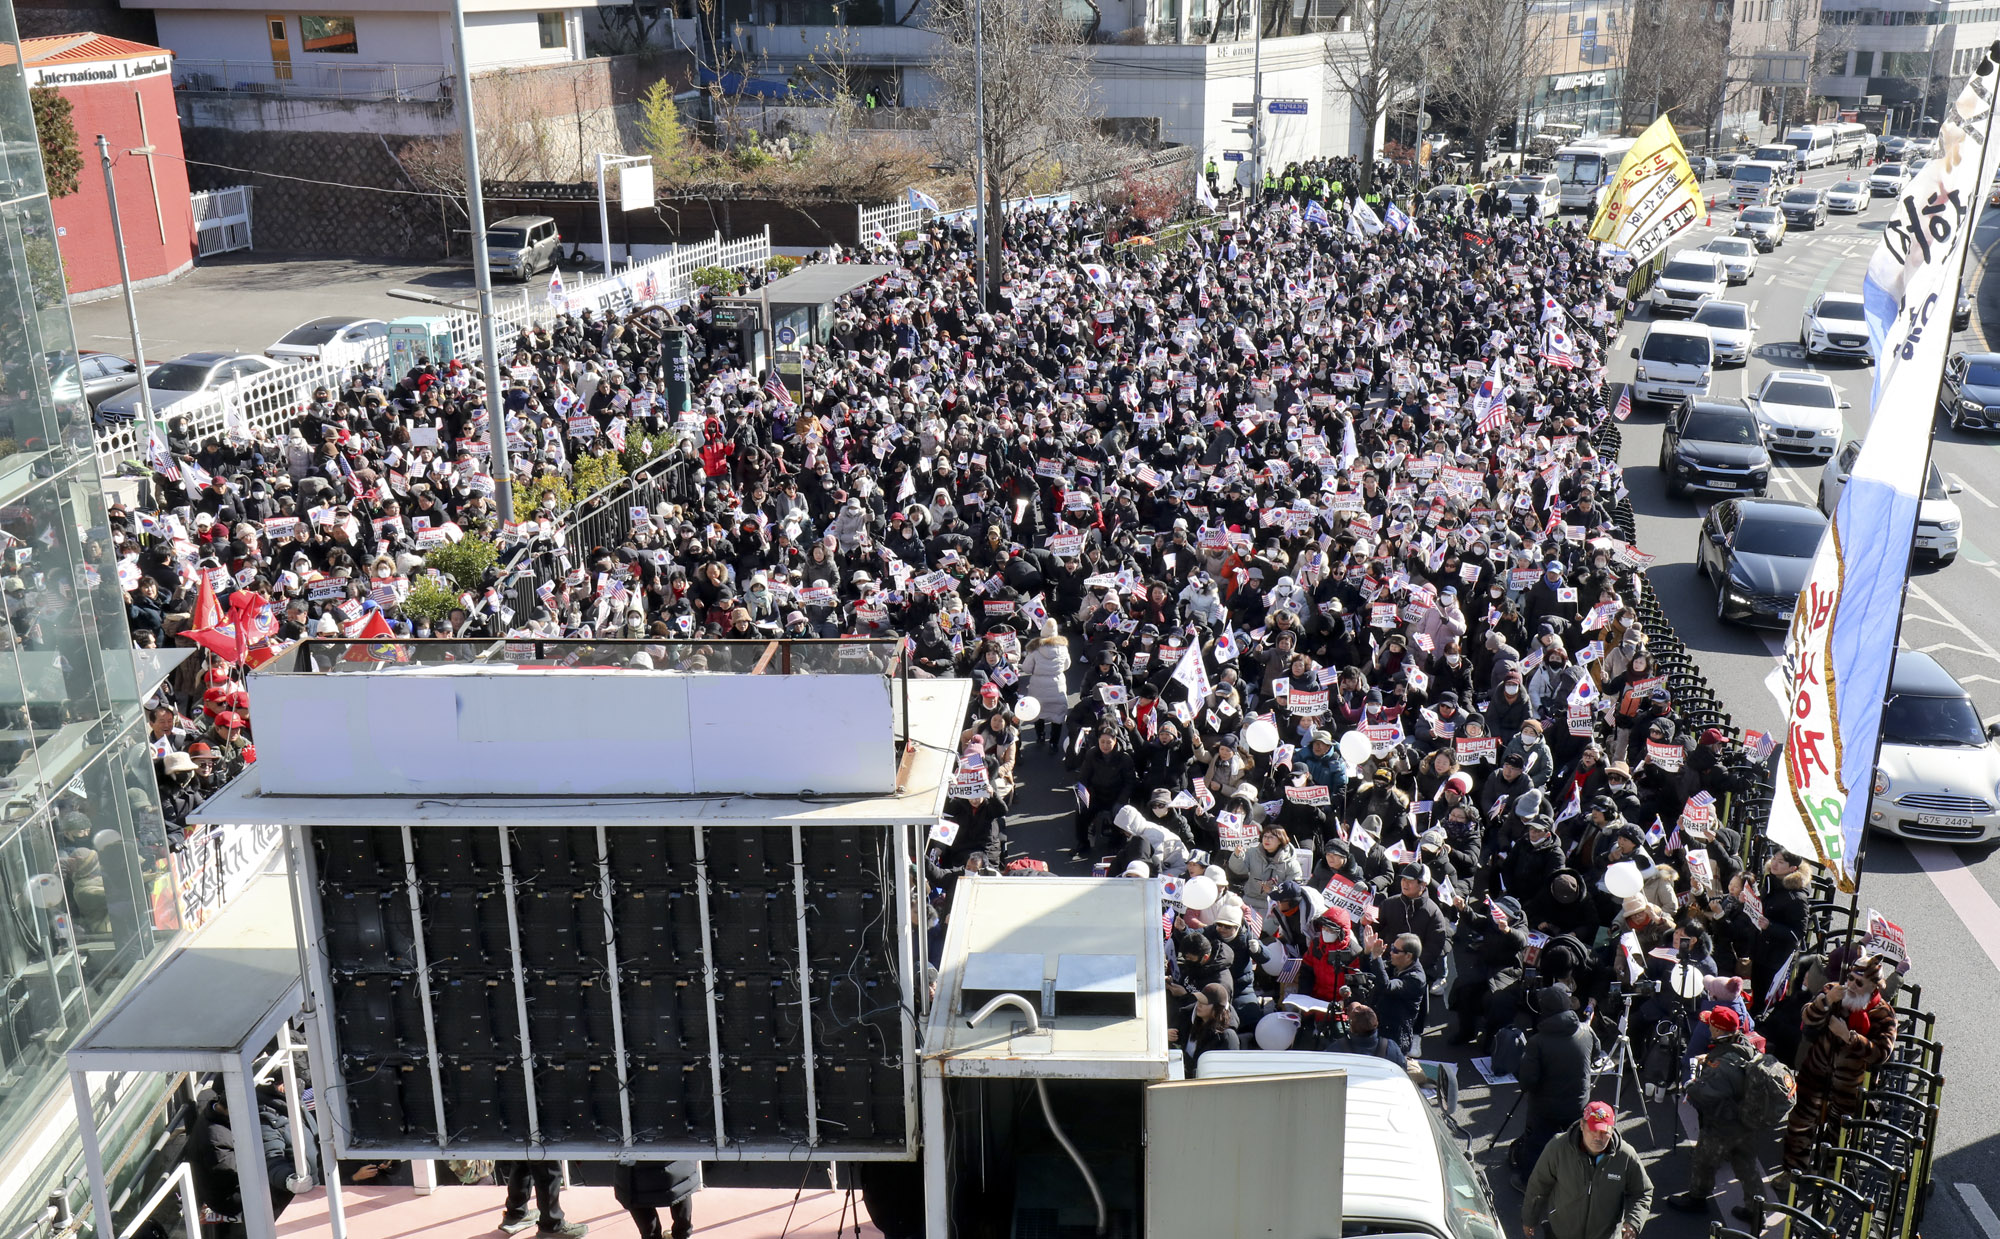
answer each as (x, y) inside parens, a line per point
(1944, 897)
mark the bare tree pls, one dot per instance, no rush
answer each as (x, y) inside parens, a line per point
(1037, 95)
(1380, 68)
(1674, 53)
(1484, 65)
(627, 28)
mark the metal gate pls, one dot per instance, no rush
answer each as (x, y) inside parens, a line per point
(221, 220)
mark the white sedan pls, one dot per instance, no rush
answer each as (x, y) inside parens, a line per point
(1836, 326)
(1799, 411)
(1739, 257)
(1847, 198)
(1731, 330)
(1939, 521)
(1887, 180)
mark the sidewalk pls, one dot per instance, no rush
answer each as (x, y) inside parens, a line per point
(454, 1212)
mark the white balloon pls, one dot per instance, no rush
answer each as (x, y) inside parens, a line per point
(1261, 736)
(1027, 710)
(1355, 749)
(1199, 894)
(1623, 880)
(45, 890)
(1277, 1030)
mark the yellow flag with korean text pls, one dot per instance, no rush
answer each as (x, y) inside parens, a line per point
(1654, 197)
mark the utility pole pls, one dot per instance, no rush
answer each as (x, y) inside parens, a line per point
(1257, 100)
(979, 220)
(131, 306)
(482, 274)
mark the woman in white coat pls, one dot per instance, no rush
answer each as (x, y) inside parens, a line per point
(1045, 667)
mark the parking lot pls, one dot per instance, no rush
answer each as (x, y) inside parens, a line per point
(242, 302)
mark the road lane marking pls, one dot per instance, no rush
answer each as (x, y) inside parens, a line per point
(1981, 1212)
(1969, 901)
(1970, 490)
(1951, 621)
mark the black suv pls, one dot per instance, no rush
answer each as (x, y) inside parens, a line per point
(1804, 208)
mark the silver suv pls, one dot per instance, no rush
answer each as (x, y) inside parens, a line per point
(521, 245)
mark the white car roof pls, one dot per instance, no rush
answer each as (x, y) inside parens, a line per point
(1666, 327)
(1839, 298)
(1391, 1171)
(1797, 376)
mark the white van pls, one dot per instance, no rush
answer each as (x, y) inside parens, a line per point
(1403, 1172)
(1676, 361)
(1814, 144)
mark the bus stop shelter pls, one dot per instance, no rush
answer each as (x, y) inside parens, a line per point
(210, 1008)
(780, 320)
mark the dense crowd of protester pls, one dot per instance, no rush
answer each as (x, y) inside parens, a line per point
(1292, 541)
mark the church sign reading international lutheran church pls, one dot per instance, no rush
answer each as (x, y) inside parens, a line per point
(95, 72)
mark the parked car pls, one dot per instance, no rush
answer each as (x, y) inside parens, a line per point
(1937, 771)
(1803, 208)
(1448, 198)
(96, 376)
(1714, 445)
(521, 245)
(1939, 521)
(1758, 553)
(1537, 197)
(1834, 326)
(1969, 398)
(1847, 198)
(1887, 180)
(1730, 330)
(1689, 279)
(334, 339)
(1800, 412)
(1739, 257)
(1764, 226)
(186, 380)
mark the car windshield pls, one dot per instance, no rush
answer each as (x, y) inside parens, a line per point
(1754, 172)
(1720, 427)
(314, 333)
(506, 238)
(1791, 539)
(1943, 722)
(177, 376)
(1889, 169)
(1847, 187)
(1731, 246)
(1760, 215)
(1847, 311)
(1524, 187)
(1693, 272)
(1983, 374)
(1725, 314)
(1800, 395)
(1802, 197)
(1678, 350)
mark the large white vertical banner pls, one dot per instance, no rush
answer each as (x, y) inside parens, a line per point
(1842, 642)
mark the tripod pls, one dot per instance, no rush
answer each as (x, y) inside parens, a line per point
(1620, 1060)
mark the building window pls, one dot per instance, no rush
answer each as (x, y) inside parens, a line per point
(555, 31)
(328, 34)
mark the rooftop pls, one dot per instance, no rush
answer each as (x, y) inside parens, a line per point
(81, 48)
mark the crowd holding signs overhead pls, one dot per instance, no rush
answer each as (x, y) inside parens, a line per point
(1295, 545)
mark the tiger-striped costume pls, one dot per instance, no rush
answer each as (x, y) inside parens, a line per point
(1831, 1072)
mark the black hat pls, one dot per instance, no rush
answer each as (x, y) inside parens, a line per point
(1288, 892)
(1414, 873)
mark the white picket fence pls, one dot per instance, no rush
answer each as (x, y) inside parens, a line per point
(891, 218)
(271, 402)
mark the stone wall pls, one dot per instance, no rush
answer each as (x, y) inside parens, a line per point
(323, 211)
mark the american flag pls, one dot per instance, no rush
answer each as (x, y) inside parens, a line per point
(774, 387)
(1700, 800)
(616, 433)
(161, 459)
(1624, 409)
(1492, 404)
(1147, 475)
(1556, 348)
(383, 595)
(1498, 913)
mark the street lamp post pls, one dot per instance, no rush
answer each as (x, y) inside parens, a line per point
(482, 274)
(979, 220)
(131, 305)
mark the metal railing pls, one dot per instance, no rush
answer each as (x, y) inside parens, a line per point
(608, 517)
(221, 219)
(314, 79)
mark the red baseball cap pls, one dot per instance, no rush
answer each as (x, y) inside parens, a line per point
(1599, 1116)
(1722, 1019)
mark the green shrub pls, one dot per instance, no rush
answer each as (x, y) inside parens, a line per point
(464, 562)
(594, 473)
(717, 279)
(783, 264)
(528, 495)
(429, 601)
